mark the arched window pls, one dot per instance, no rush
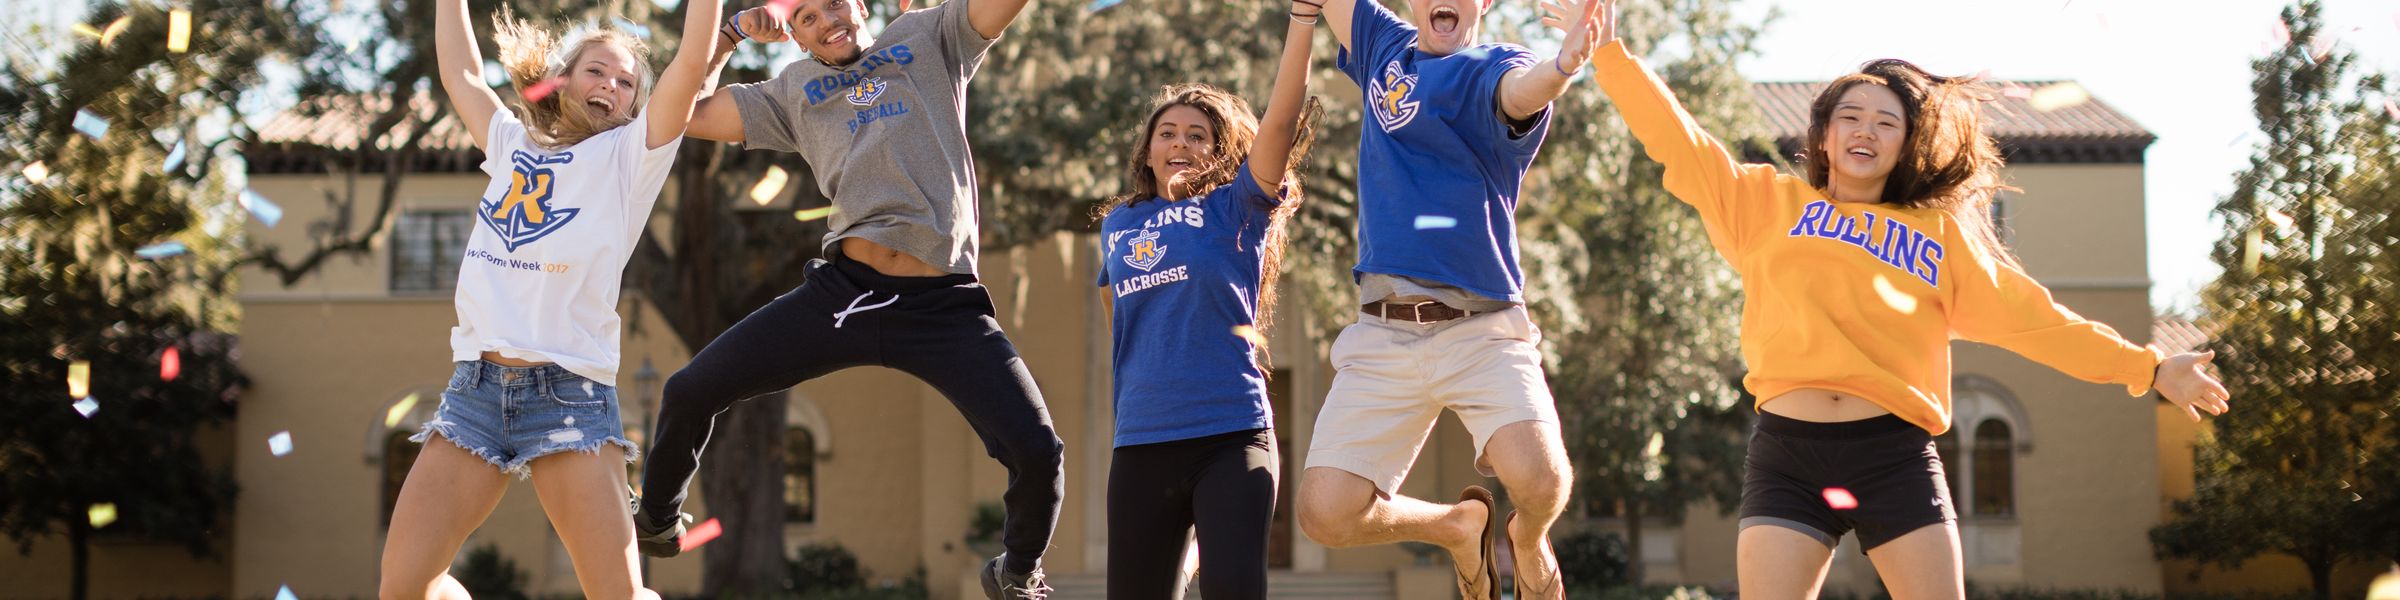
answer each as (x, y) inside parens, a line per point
(799, 476)
(1995, 476)
(398, 455)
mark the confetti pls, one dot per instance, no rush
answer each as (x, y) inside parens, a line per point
(280, 443)
(1101, 5)
(2252, 246)
(2389, 108)
(2282, 33)
(174, 159)
(106, 35)
(392, 417)
(36, 172)
(1435, 222)
(769, 186)
(285, 593)
(784, 7)
(87, 406)
(170, 364)
(2057, 96)
(541, 89)
(160, 250)
(1250, 333)
(2281, 221)
(259, 206)
(79, 379)
(2016, 90)
(103, 514)
(1658, 443)
(91, 124)
(815, 213)
(1893, 297)
(1840, 499)
(2321, 46)
(707, 530)
(179, 31)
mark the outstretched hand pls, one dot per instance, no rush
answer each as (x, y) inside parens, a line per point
(1595, 25)
(2183, 380)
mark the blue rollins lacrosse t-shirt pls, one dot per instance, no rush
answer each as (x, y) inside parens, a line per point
(1183, 275)
(1438, 168)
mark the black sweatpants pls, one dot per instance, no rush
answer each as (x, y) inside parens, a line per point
(1157, 493)
(939, 329)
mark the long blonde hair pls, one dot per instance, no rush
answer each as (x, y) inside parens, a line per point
(532, 55)
(1230, 117)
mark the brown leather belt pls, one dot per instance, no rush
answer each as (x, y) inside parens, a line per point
(1415, 312)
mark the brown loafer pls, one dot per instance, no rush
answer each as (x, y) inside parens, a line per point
(1550, 582)
(1490, 587)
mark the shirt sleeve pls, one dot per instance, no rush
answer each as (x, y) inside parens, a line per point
(501, 138)
(1242, 195)
(1101, 279)
(1997, 303)
(770, 111)
(1506, 59)
(1699, 170)
(649, 167)
(1372, 29)
(964, 45)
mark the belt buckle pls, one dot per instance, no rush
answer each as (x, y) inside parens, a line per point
(1417, 312)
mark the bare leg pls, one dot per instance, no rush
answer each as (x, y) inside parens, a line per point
(448, 493)
(1923, 564)
(1342, 510)
(1775, 563)
(1532, 461)
(584, 495)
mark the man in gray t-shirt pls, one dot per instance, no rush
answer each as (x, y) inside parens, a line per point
(881, 123)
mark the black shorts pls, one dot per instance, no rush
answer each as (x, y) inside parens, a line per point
(1887, 464)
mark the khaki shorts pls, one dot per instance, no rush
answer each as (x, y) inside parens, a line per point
(1393, 378)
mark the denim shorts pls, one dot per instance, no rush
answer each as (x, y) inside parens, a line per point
(511, 415)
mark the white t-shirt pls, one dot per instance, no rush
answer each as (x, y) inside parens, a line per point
(553, 231)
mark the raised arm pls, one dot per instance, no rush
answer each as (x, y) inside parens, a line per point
(461, 64)
(1700, 170)
(1525, 92)
(991, 17)
(1336, 18)
(693, 69)
(1271, 154)
(714, 116)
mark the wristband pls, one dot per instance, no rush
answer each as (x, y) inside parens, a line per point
(1312, 18)
(1562, 69)
(734, 29)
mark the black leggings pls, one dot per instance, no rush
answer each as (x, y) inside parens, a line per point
(939, 329)
(1224, 484)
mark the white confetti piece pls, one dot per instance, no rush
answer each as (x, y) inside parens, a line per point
(91, 124)
(37, 172)
(391, 418)
(280, 443)
(769, 185)
(570, 419)
(174, 159)
(103, 514)
(87, 406)
(160, 250)
(566, 436)
(1893, 297)
(179, 31)
(259, 206)
(1435, 222)
(79, 379)
(637, 29)
(2057, 96)
(285, 593)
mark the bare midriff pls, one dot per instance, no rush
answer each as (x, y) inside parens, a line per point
(887, 261)
(1822, 406)
(497, 359)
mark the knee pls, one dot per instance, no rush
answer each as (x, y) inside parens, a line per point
(683, 390)
(1328, 518)
(1036, 453)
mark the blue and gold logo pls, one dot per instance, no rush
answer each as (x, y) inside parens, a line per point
(867, 91)
(1144, 251)
(524, 213)
(1393, 106)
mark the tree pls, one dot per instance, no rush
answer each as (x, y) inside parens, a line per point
(74, 291)
(2303, 317)
(1643, 340)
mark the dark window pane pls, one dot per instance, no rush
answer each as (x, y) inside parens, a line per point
(799, 476)
(426, 249)
(1995, 479)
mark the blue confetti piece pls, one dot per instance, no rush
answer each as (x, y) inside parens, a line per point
(1100, 5)
(285, 593)
(91, 124)
(259, 206)
(281, 444)
(161, 250)
(630, 27)
(1435, 222)
(87, 406)
(174, 158)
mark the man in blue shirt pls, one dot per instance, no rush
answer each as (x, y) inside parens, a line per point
(1451, 128)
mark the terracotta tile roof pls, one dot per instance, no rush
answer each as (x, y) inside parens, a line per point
(2089, 132)
(296, 141)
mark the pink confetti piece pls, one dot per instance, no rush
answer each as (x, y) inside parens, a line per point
(784, 7)
(2282, 33)
(541, 89)
(707, 530)
(2016, 90)
(1840, 499)
(2389, 108)
(170, 364)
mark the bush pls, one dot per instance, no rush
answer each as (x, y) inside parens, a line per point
(1592, 560)
(823, 568)
(488, 574)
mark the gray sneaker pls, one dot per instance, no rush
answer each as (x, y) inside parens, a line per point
(659, 540)
(1004, 586)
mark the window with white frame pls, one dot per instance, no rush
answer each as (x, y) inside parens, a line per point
(426, 249)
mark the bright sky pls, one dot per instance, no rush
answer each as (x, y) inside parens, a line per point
(2179, 68)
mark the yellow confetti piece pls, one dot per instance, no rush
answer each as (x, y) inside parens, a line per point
(103, 514)
(1892, 296)
(179, 31)
(815, 213)
(36, 172)
(2252, 245)
(1658, 443)
(2281, 221)
(1250, 333)
(87, 31)
(769, 186)
(2057, 96)
(79, 379)
(392, 418)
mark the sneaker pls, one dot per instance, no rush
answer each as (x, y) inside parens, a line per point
(1003, 586)
(659, 540)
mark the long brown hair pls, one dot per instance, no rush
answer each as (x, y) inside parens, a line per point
(1946, 162)
(1235, 129)
(532, 54)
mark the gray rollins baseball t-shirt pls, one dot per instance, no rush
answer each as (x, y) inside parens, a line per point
(886, 135)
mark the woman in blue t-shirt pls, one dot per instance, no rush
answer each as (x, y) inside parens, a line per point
(1189, 262)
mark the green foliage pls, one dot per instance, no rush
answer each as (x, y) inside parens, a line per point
(823, 568)
(1592, 559)
(486, 573)
(2307, 463)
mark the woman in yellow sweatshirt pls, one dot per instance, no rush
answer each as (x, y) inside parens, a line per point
(1858, 275)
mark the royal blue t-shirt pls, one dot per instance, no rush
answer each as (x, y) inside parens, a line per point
(1183, 275)
(1438, 169)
